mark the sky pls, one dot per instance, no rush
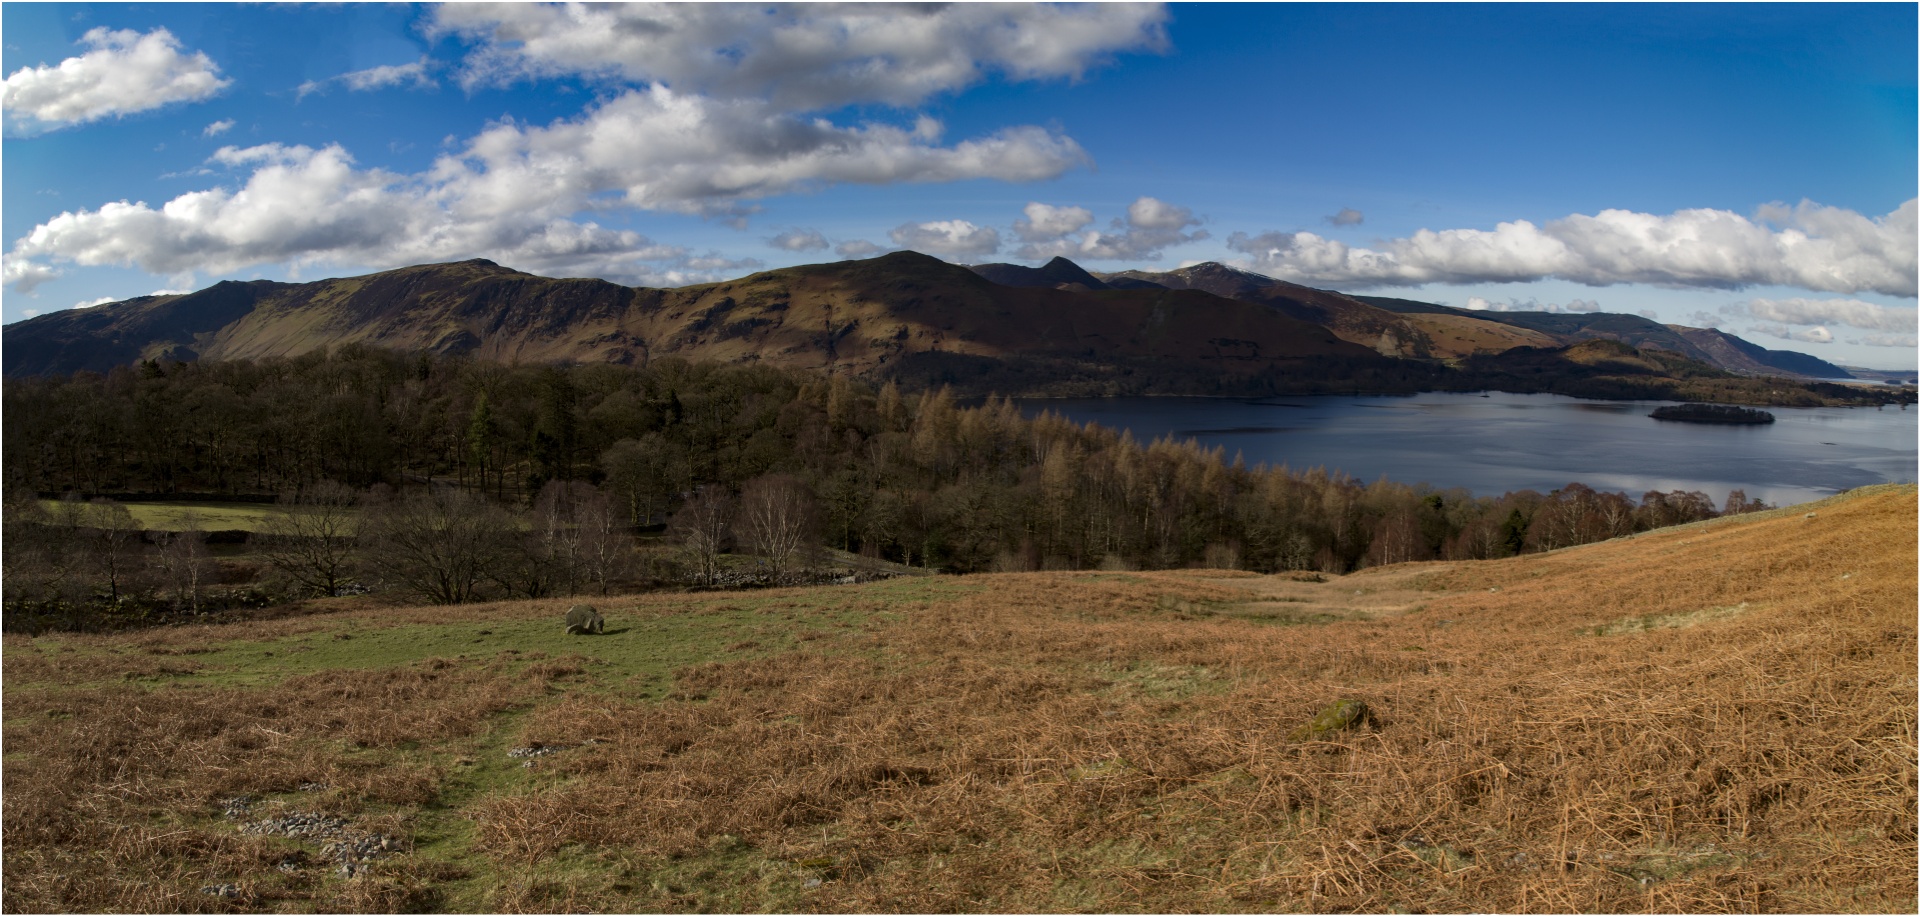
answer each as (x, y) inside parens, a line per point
(1747, 167)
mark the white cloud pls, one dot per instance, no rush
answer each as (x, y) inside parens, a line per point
(1808, 246)
(953, 238)
(1885, 340)
(1574, 307)
(1810, 335)
(799, 56)
(715, 261)
(1704, 319)
(1044, 223)
(125, 72)
(799, 240)
(513, 193)
(1347, 216)
(303, 206)
(1150, 225)
(657, 149)
(90, 303)
(1850, 312)
(375, 78)
(857, 248)
(25, 276)
(217, 128)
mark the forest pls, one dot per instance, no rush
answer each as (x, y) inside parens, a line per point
(444, 479)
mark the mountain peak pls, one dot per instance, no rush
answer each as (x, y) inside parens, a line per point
(1058, 273)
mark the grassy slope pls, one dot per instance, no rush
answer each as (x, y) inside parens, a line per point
(209, 515)
(1713, 717)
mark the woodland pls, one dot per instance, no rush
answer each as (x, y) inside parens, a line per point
(445, 480)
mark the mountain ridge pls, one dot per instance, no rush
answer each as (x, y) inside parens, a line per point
(901, 314)
(854, 315)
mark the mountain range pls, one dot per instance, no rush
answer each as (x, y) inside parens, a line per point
(902, 314)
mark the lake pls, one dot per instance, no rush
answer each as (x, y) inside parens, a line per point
(1499, 442)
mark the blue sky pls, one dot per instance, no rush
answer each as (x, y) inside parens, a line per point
(1751, 167)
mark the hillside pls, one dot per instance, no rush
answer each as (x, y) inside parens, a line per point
(1738, 355)
(856, 316)
(1714, 347)
(921, 322)
(1716, 717)
(1058, 273)
(1354, 321)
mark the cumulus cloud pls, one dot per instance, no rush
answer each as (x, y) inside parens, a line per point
(123, 73)
(1574, 307)
(217, 128)
(661, 150)
(1044, 223)
(1150, 226)
(799, 56)
(1704, 319)
(952, 238)
(90, 303)
(1850, 312)
(513, 192)
(1810, 335)
(305, 206)
(1347, 216)
(799, 240)
(375, 78)
(25, 276)
(857, 248)
(1808, 246)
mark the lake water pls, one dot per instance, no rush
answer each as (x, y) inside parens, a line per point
(1503, 442)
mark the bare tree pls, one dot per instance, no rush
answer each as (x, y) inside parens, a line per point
(184, 563)
(605, 546)
(701, 528)
(115, 544)
(34, 550)
(776, 519)
(440, 545)
(574, 539)
(311, 539)
(1739, 504)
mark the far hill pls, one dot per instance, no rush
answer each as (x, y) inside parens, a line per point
(862, 317)
(1355, 321)
(1711, 346)
(1730, 352)
(1058, 273)
(1206, 329)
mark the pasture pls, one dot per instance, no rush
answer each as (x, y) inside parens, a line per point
(1715, 717)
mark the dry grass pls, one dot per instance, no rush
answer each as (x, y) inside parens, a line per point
(1711, 718)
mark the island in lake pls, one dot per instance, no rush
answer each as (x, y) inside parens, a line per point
(1711, 413)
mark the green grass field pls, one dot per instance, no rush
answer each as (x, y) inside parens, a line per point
(211, 516)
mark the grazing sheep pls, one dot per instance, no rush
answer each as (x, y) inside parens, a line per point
(582, 618)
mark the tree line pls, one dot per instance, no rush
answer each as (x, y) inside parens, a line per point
(909, 477)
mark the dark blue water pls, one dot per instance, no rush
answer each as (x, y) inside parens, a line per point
(1503, 442)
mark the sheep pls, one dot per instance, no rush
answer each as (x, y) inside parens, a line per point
(582, 618)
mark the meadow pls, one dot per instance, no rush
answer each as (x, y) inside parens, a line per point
(183, 515)
(1712, 717)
